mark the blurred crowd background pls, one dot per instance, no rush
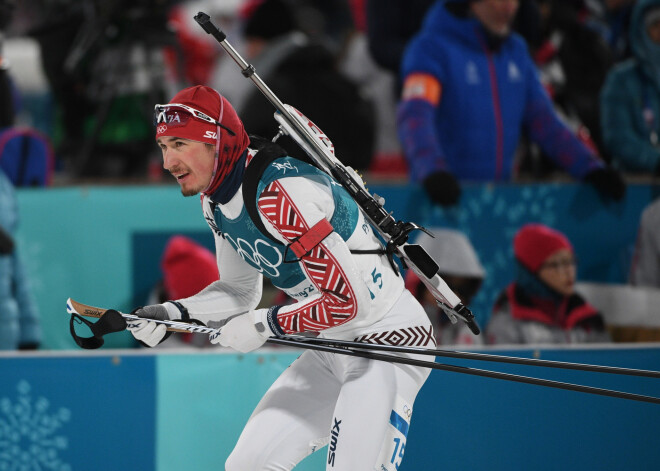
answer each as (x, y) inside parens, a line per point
(86, 74)
(78, 82)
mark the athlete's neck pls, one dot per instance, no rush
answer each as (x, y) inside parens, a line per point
(231, 183)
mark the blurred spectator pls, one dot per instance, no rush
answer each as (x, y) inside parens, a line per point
(193, 56)
(645, 266)
(630, 312)
(610, 19)
(303, 73)
(527, 22)
(391, 24)
(461, 269)
(573, 59)
(630, 99)
(104, 62)
(541, 305)
(187, 268)
(378, 85)
(7, 105)
(470, 89)
(19, 316)
(26, 155)
(7, 111)
(617, 17)
(328, 19)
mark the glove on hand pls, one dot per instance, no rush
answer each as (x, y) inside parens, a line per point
(6, 242)
(28, 346)
(608, 182)
(245, 332)
(443, 188)
(151, 333)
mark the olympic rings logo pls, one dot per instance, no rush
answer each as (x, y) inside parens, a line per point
(263, 256)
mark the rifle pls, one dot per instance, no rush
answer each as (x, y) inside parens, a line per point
(321, 150)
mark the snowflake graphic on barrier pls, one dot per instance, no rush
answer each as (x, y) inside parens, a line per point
(29, 439)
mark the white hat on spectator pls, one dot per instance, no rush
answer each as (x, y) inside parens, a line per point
(453, 252)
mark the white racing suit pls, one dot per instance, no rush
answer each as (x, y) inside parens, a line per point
(361, 408)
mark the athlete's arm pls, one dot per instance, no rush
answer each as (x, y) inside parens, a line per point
(290, 207)
(237, 291)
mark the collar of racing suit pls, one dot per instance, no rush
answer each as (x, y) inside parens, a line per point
(231, 183)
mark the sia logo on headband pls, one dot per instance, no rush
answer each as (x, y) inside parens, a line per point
(173, 118)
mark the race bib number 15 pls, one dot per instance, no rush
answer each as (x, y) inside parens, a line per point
(394, 445)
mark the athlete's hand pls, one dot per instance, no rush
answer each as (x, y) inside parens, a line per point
(245, 332)
(151, 333)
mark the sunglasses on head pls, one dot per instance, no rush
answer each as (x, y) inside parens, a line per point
(176, 114)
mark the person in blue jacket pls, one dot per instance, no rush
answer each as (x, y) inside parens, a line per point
(19, 316)
(470, 89)
(630, 98)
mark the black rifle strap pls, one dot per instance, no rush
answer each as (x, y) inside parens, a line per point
(266, 154)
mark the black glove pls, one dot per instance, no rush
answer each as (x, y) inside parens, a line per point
(28, 346)
(443, 188)
(6, 242)
(608, 182)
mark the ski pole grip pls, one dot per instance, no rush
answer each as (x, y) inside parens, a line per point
(205, 22)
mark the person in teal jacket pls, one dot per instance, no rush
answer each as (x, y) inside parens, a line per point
(470, 90)
(19, 317)
(630, 98)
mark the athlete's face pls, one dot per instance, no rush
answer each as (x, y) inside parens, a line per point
(190, 162)
(496, 15)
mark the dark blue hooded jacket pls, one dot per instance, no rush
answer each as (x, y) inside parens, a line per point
(488, 97)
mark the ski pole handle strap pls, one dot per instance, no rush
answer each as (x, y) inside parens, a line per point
(310, 239)
(111, 321)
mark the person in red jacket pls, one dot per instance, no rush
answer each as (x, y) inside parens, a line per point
(541, 305)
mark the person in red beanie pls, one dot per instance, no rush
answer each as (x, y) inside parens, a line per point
(275, 216)
(187, 267)
(541, 305)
